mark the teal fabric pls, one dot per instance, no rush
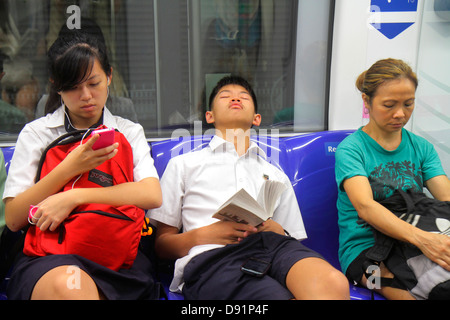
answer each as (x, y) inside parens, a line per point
(409, 166)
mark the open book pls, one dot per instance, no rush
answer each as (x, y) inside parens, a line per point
(243, 208)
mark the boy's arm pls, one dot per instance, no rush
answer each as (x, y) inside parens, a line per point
(170, 243)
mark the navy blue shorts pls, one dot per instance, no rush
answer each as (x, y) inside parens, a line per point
(217, 275)
(125, 284)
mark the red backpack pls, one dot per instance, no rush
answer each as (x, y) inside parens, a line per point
(102, 233)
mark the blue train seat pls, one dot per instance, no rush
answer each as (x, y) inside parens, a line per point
(311, 166)
(308, 161)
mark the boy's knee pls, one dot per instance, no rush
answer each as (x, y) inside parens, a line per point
(337, 281)
(331, 285)
(316, 279)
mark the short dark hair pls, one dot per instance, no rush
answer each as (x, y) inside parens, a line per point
(237, 80)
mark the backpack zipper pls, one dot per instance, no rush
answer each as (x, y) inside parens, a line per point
(62, 228)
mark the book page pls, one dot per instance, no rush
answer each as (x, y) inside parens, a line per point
(243, 208)
(270, 192)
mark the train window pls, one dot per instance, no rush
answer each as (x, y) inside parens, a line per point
(167, 55)
(431, 116)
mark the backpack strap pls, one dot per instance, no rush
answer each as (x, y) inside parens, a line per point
(66, 138)
(389, 250)
(370, 274)
(382, 247)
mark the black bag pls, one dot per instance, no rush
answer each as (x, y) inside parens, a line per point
(411, 268)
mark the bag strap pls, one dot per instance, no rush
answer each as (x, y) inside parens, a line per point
(69, 137)
(408, 200)
(381, 248)
(382, 281)
(383, 243)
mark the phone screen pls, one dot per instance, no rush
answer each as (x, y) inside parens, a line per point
(255, 267)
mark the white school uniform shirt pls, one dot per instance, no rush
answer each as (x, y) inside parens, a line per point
(38, 134)
(194, 185)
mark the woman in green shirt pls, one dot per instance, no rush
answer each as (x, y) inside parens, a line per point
(379, 158)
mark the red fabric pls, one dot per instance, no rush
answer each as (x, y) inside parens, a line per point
(104, 234)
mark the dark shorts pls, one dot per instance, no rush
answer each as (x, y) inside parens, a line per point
(357, 268)
(216, 274)
(125, 284)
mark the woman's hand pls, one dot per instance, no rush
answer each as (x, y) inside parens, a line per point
(83, 158)
(435, 246)
(55, 209)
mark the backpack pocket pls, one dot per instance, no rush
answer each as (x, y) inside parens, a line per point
(108, 237)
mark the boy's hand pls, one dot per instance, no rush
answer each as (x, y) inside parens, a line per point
(224, 232)
(270, 225)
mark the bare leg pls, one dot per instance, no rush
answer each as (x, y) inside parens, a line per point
(314, 278)
(65, 283)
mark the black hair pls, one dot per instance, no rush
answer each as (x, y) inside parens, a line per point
(70, 60)
(237, 80)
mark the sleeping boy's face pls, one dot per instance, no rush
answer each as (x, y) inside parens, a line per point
(233, 107)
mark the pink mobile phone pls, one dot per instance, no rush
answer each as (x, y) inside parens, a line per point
(106, 138)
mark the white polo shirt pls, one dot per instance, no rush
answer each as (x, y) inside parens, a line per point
(38, 134)
(195, 184)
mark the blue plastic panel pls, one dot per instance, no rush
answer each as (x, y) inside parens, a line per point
(7, 154)
(308, 160)
(311, 170)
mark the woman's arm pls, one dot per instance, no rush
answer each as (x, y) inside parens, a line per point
(435, 246)
(145, 194)
(439, 187)
(360, 194)
(81, 159)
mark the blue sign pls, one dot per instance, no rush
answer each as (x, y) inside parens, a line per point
(330, 148)
(395, 5)
(392, 29)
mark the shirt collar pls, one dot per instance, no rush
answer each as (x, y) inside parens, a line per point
(217, 142)
(68, 125)
(57, 118)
